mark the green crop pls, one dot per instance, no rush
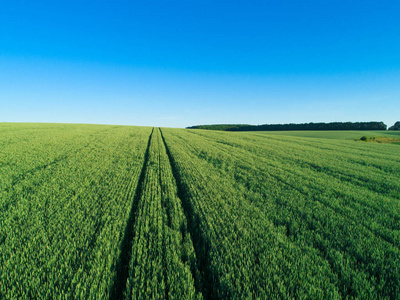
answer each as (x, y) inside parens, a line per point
(120, 212)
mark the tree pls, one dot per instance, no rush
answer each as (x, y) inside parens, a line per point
(396, 126)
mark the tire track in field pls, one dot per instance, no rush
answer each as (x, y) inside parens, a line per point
(122, 268)
(164, 257)
(200, 243)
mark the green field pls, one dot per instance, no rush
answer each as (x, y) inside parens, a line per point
(340, 135)
(122, 212)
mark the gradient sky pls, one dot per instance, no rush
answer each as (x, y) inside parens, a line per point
(182, 63)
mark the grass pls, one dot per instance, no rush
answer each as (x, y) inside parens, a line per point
(380, 139)
(338, 135)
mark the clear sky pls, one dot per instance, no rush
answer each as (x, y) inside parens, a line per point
(181, 63)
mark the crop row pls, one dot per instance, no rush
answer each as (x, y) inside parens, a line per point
(351, 228)
(89, 212)
(245, 255)
(61, 226)
(162, 259)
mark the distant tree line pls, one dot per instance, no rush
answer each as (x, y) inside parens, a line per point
(223, 127)
(396, 126)
(303, 126)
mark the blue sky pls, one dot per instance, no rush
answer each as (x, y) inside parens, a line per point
(182, 63)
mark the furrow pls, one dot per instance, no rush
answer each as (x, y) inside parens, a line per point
(122, 267)
(200, 244)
